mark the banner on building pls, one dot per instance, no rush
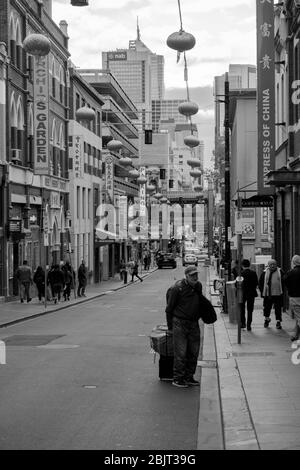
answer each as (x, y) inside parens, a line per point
(41, 114)
(142, 192)
(265, 93)
(248, 223)
(77, 155)
(109, 178)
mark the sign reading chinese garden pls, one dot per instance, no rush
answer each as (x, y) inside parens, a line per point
(41, 114)
(265, 93)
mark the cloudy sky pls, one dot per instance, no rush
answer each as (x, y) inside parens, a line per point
(224, 32)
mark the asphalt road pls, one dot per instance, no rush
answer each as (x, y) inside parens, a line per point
(85, 377)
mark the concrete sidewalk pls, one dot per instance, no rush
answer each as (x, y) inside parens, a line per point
(15, 311)
(258, 383)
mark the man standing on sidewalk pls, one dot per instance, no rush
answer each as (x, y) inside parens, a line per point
(82, 280)
(271, 287)
(292, 282)
(250, 284)
(183, 313)
(24, 277)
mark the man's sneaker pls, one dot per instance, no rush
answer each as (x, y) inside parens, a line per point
(180, 383)
(249, 328)
(267, 321)
(278, 325)
(192, 381)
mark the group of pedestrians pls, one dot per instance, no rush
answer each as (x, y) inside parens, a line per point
(58, 281)
(271, 284)
(132, 267)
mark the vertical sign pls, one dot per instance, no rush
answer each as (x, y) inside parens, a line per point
(265, 93)
(142, 193)
(109, 178)
(76, 152)
(41, 114)
(123, 217)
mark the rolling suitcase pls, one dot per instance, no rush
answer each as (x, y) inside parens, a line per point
(165, 367)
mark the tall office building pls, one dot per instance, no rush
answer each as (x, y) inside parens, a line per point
(140, 72)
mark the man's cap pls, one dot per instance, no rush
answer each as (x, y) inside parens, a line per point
(190, 270)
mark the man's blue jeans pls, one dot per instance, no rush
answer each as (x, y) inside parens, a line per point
(186, 342)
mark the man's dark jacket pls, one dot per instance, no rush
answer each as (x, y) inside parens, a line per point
(184, 302)
(250, 283)
(292, 282)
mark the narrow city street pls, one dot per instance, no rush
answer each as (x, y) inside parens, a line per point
(85, 377)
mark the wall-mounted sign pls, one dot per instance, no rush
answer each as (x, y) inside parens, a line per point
(15, 225)
(142, 193)
(121, 55)
(41, 114)
(109, 177)
(265, 93)
(76, 152)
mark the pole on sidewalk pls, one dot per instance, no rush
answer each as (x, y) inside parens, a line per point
(239, 279)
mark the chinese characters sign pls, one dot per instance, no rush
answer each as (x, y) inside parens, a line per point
(265, 93)
(142, 193)
(41, 115)
(109, 177)
(76, 151)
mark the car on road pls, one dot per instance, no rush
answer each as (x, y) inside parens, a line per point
(166, 260)
(189, 258)
(201, 254)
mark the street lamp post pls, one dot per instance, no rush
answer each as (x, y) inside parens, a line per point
(227, 179)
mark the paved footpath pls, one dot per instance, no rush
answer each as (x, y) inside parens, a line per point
(258, 383)
(15, 311)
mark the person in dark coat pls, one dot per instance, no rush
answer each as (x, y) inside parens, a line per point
(24, 278)
(271, 287)
(82, 280)
(56, 280)
(134, 271)
(250, 283)
(69, 279)
(39, 280)
(292, 282)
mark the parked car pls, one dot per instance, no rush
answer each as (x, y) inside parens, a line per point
(189, 258)
(201, 254)
(166, 259)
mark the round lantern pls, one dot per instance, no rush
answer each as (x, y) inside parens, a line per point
(125, 161)
(158, 196)
(141, 180)
(188, 108)
(181, 41)
(150, 188)
(163, 200)
(114, 145)
(193, 162)
(85, 114)
(191, 141)
(134, 173)
(37, 44)
(153, 170)
(198, 188)
(196, 173)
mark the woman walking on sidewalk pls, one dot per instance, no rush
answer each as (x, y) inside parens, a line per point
(271, 287)
(292, 283)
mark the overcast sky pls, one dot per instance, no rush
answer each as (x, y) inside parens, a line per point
(224, 31)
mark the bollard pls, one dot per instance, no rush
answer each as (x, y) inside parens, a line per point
(231, 301)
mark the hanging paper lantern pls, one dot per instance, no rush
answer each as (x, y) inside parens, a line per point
(114, 145)
(134, 173)
(181, 41)
(37, 44)
(79, 3)
(153, 170)
(191, 141)
(196, 173)
(125, 161)
(163, 200)
(188, 108)
(85, 114)
(141, 180)
(194, 162)
(158, 196)
(150, 188)
(198, 188)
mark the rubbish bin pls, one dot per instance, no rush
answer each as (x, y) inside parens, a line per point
(231, 301)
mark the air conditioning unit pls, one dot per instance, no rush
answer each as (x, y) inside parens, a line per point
(16, 155)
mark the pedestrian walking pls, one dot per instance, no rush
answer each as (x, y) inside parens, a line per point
(69, 280)
(123, 271)
(56, 280)
(24, 278)
(250, 284)
(134, 269)
(271, 287)
(292, 282)
(185, 306)
(39, 280)
(82, 279)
